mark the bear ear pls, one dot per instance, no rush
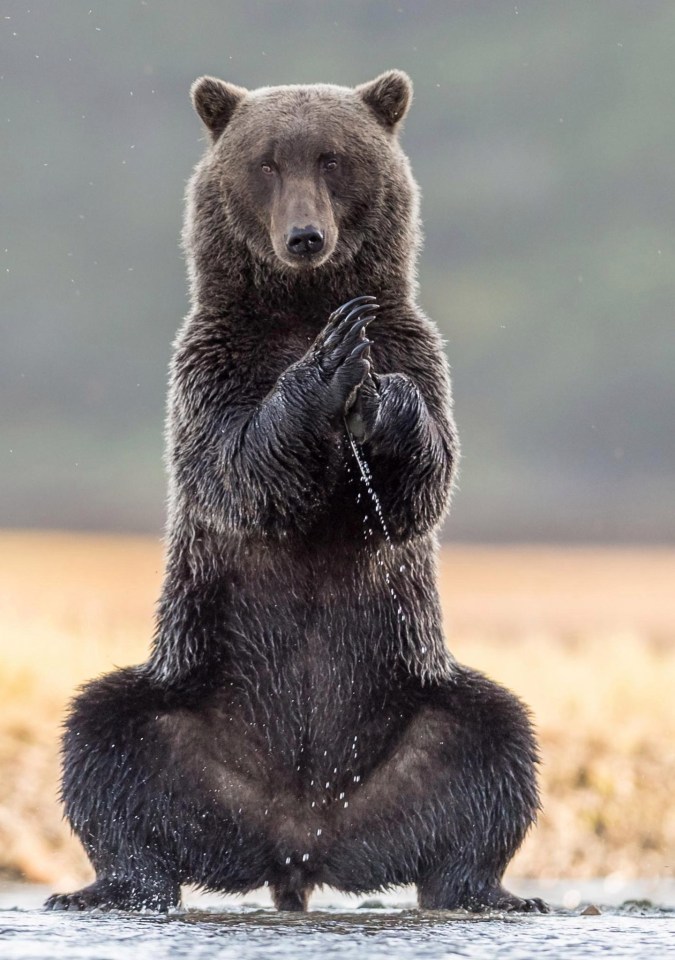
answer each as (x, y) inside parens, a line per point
(388, 96)
(215, 101)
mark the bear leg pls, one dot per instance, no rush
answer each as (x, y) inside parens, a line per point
(152, 803)
(449, 805)
(114, 776)
(496, 756)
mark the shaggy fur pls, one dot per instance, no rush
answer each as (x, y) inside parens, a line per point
(292, 726)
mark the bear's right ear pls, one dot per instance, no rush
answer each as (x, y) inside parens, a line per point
(215, 101)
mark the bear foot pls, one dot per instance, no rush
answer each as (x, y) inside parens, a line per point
(117, 895)
(501, 900)
(436, 896)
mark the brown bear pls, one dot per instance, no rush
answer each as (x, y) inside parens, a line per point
(300, 720)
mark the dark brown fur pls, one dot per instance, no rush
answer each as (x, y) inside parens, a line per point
(293, 727)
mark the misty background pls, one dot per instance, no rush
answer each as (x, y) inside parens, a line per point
(543, 138)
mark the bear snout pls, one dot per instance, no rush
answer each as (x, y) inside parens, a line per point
(304, 241)
(302, 222)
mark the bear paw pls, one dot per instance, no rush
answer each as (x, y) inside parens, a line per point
(116, 895)
(505, 902)
(342, 350)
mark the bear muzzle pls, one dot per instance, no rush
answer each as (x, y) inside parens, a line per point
(302, 223)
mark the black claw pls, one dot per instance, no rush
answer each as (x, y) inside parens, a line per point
(351, 331)
(355, 314)
(347, 325)
(348, 306)
(356, 332)
(361, 349)
(359, 326)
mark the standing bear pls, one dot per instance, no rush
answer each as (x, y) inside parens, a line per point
(300, 721)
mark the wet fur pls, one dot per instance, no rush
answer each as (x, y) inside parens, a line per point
(289, 727)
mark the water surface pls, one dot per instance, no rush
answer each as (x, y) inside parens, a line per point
(337, 928)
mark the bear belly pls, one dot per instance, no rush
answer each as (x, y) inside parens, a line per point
(286, 775)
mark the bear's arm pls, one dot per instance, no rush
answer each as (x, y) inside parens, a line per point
(249, 453)
(412, 447)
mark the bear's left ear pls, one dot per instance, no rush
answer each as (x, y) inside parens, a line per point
(388, 96)
(215, 101)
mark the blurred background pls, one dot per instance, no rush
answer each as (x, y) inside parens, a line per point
(543, 138)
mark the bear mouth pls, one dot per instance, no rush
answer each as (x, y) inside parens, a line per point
(305, 261)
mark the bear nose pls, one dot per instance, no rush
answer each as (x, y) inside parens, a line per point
(304, 240)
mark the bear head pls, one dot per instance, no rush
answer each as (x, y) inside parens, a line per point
(302, 178)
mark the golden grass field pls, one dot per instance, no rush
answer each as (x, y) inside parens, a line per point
(585, 636)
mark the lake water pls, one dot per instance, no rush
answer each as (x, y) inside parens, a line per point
(342, 928)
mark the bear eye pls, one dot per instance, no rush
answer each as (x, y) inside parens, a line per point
(330, 164)
(267, 169)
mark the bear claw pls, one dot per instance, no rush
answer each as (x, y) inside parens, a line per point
(346, 333)
(507, 902)
(341, 319)
(361, 349)
(346, 307)
(339, 345)
(365, 312)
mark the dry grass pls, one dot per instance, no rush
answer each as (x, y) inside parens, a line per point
(586, 637)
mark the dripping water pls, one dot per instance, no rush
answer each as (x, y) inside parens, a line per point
(366, 478)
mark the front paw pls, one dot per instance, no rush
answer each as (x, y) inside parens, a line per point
(386, 410)
(341, 352)
(362, 415)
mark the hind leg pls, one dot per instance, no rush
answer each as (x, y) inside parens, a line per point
(152, 806)
(449, 806)
(113, 784)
